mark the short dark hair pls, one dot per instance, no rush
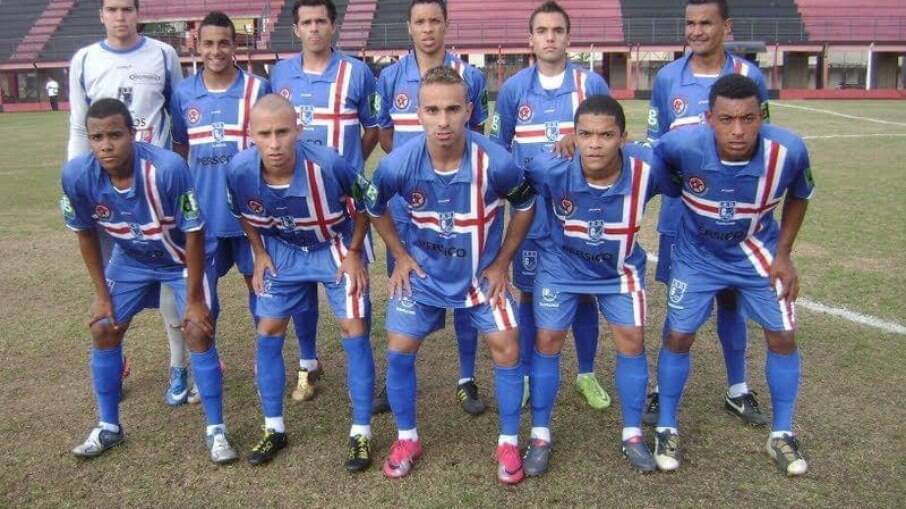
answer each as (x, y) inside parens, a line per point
(109, 107)
(721, 6)
(732, 86)
(134, 2)
(441, 3)
(602, 105)
(549, 6)
(217, 19)
(328, 4)
(445, 76)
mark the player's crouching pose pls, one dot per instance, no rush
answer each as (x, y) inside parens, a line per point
(143, 197)
(735, 171)
(595, 204)
(291, 198)
(454, 182)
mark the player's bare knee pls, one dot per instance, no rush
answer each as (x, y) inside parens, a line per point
(549, 342)
(504, 347)
(352, 327)
(272, 326)
(105, 335)
(679, 342)
(196, 339)
(402, 343)
(629, 340)
(781, 342)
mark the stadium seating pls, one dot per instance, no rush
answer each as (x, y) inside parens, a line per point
(660, 21)
(283, 39)
(42, 30)
(388, 29)
(178, 10)
(356, 25)
(16, 18)
(838, 20)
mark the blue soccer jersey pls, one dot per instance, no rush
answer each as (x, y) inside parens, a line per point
(398, 87)
(215, 126)
(593, 243)
(147, 222)
(332, 106)
(679, 98)
(311, 214)
(728, 222)
(454, 229)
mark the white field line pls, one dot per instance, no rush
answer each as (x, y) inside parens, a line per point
(852, 316)
(835, 136)
(837, 114)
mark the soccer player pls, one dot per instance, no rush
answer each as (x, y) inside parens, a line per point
(454, 182)
(210, 113)
(680, 98)
(398, 88)
(142, 196)
(534, 111)
(291, 196)
(594, 204)
(735, 171)
(141, 72)
(334, 98)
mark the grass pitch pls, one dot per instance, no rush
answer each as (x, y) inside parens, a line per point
(850, 253)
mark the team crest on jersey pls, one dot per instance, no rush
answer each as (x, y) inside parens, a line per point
(565, 207)
(401, 101)
(193, 115)
(286, 93)
(677, 290)
(530, 260)
(596, 229)
(552, 131)
(124, 94)
(446, 224)
(697, 185)
(217, 131)
(416, 199)
(102, 211)
(256, 206)
(727, 210)
(288, 223)
(136, 230)
(306, 114)
(524, 113)
(679, 105)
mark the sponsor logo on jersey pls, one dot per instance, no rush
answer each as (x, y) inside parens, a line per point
(552, 130)
(145, 77)
(416, 199)
(256, 206)
(102, 211)
(677, 290)
(697, 185)
(524, 113)
(530, 260)
(193, 115)
(679, 105)
(401, 101)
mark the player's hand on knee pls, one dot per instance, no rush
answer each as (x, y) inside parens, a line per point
(101, 315)
(498, 282)
(355, 268)
(566, 147)
(199, 316)
(399, 285)
(785, 278)
(263, 265)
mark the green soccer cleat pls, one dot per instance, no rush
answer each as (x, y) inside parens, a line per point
(595, 395)
(268, 447)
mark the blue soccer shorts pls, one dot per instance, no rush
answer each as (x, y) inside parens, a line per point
(139, 289)
(234, 251)
(411, 318)
(691, 293)
(525, 265)
(294, 287)
(555, 310)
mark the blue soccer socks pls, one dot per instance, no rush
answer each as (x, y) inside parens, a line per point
(585, 330)
(271, 374)
(107, 373)
(528, 331)
(672, 372)
(466, 341)
(731, 329)
(306, 323)
(545, 381)
(209, 378)
(359, 377)
(631, 379)
(783, 373)
(508, 386)
(401, 385)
